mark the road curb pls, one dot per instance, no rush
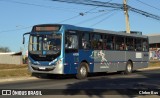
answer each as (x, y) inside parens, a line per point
(149, 68)
(16, 79)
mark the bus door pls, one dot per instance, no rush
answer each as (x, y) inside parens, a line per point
(71, 52)
(85, 51)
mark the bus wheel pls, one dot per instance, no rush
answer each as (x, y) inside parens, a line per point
(129, 68)
(82, 71)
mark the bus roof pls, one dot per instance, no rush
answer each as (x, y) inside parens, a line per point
(73, 27)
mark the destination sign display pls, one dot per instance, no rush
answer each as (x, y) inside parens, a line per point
(46, 28)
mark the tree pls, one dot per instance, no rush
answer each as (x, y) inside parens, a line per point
(4, 49)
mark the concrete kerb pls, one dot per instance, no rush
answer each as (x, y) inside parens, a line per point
(10, 79)
(149, 68)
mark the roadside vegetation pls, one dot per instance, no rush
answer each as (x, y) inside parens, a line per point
(154, 64)
(7, 70)
(12, 66)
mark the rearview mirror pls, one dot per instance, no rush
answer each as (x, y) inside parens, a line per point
(24, 37)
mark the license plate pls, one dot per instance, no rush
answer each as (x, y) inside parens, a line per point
(42, 68)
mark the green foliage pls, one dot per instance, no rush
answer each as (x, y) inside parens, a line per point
(4, 49)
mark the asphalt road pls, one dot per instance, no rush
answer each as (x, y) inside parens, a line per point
(97, 85)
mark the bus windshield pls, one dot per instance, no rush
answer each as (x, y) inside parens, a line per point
(45, 44)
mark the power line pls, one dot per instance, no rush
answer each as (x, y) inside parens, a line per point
(89, 11)
(81, 14)
(112, 5)
(148, 5)
(32, 26)
(96, 7)
(69, 18)
(92, 3)
(102, 20)
(93, 18)
(87, 20)
(145, 13)
(15, 29)
(38, 5)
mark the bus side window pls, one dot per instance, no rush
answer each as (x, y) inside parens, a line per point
(120, 45)
(138, 45)
(93, 41)
(71, 41)
(74, 41)
(129, 44)
(96, 41)
(85, 41)
(109, 42)
(145, 45)
(67, 41)
(100, 41)
(105, 42)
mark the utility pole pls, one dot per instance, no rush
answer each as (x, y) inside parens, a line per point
(126, 16)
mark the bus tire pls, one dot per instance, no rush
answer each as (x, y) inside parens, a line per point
(129, 68)
(82, 71)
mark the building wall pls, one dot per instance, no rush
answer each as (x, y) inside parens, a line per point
(154, 39)
(10, 59)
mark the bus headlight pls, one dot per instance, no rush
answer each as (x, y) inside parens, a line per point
(29, 61)
(36, 63)
(56, 62)
(59, 61)
(52, 62)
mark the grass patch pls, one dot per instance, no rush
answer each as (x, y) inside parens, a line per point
(12, 66)
(11, 70)
(14, 73)
(154, 64)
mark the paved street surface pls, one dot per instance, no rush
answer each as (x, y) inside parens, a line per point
(95, 86)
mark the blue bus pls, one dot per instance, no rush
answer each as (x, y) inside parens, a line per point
(69, 49)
